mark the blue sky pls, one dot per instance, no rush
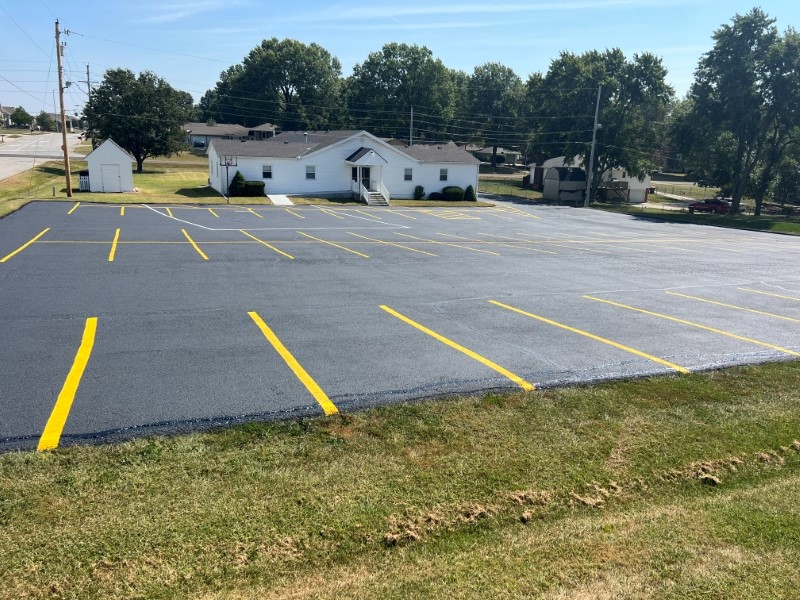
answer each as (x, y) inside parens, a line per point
(189, 42)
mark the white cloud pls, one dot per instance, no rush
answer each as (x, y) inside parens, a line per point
(178, 11)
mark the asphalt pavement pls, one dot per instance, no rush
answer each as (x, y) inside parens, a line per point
(124, 321)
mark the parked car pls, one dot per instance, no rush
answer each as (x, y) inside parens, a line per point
(715, 206)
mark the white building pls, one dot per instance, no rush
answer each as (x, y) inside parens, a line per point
(110, 168)
(618, 182)
(341, 163)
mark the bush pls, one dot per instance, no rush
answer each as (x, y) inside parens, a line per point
(419, 192)
(435, 196)
(452, 192)
(253, 188)
(526, 180)
(469, 194)
(237, 185)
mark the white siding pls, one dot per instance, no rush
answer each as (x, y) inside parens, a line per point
(108, 153)
(334, 175)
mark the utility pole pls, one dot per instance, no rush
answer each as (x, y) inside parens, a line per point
(88, 81)
(411, 129)
(591, 154)
(59, 50)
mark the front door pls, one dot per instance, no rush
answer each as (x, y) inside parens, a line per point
(365, 176)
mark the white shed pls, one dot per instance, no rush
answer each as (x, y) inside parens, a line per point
(110, 168)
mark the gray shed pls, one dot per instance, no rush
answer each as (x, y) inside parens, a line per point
(110, 168)
(564, 184)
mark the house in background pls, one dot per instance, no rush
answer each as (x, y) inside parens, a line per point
(510, 157)
(329, 163)
(5, 116)
(110, 168)
(200, 135)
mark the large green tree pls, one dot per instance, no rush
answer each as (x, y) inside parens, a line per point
(46, 122)
(383, 89)
(286, 82)
(634, 102)
(21, 118)
(746, 104)
(144, 115)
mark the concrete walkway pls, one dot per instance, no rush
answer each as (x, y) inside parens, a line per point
(280, 200)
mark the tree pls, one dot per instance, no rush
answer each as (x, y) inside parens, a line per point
(46, 122)
(144, 115)
(21, 118)
(746, 98)
(286, 82)
(383, 89)
(495, 103)
(634, 102)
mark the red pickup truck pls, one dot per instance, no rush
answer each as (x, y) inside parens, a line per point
(716, 206)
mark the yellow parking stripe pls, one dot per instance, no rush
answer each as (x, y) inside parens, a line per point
(485, 361)
(769, 294)
(25, 245)
(299, 216)
(267, 245)
(72, 210)
(370, 215)
(113, 247)
(169, 212)
(213, 213)
(518, 240)
(400, 214)
(121, 211)
(58, 417)
(332, 244)
(327, 406)
(750, 310)
(697, 325)
(447, 244)
(597, 338)
(194, 245)
(331, 213)
(254, 212)
(392, 244)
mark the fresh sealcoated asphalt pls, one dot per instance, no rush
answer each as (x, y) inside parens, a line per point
(120, 321)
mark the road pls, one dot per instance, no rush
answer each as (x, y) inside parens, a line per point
(129, 321)
(22, 153)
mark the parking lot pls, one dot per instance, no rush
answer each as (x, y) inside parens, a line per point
(118, 321)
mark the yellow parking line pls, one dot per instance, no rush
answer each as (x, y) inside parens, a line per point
(72, 210)
(769, 294)
(597, 338)
(485, 361)
(299, 216)
(371, 215)
(121, 211)
(58, 417)
(398, 213)
(392, 244)
(327, 406)
(194, 245)
(750, 310)
(25, 245)
(519, 240)
(447, 244)
(113, 247)
(267, 245)
(697, 325)
(213, 213)
(332, 244)
(169, 212)
(254, 212)
(331, 213)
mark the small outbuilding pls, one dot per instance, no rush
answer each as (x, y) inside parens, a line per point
(564, 184)
(110, 168)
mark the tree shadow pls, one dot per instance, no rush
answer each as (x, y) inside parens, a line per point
(198, 192)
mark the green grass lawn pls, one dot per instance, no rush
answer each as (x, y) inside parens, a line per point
(773, 224)
(670, 487)
(506, 187)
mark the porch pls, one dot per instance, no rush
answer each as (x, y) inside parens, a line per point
(367, 177)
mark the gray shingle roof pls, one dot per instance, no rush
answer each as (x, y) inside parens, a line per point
(218, 129)
(293, 144)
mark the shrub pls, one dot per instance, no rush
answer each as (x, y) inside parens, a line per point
(469, 194)
(453, 192)
(237, 185)
(253, 188)
(435, 196)
(526, 180)
(419, 192)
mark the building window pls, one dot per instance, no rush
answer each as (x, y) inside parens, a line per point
(408, 174)
(311, 172)
(442, 174)
(266, 171)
